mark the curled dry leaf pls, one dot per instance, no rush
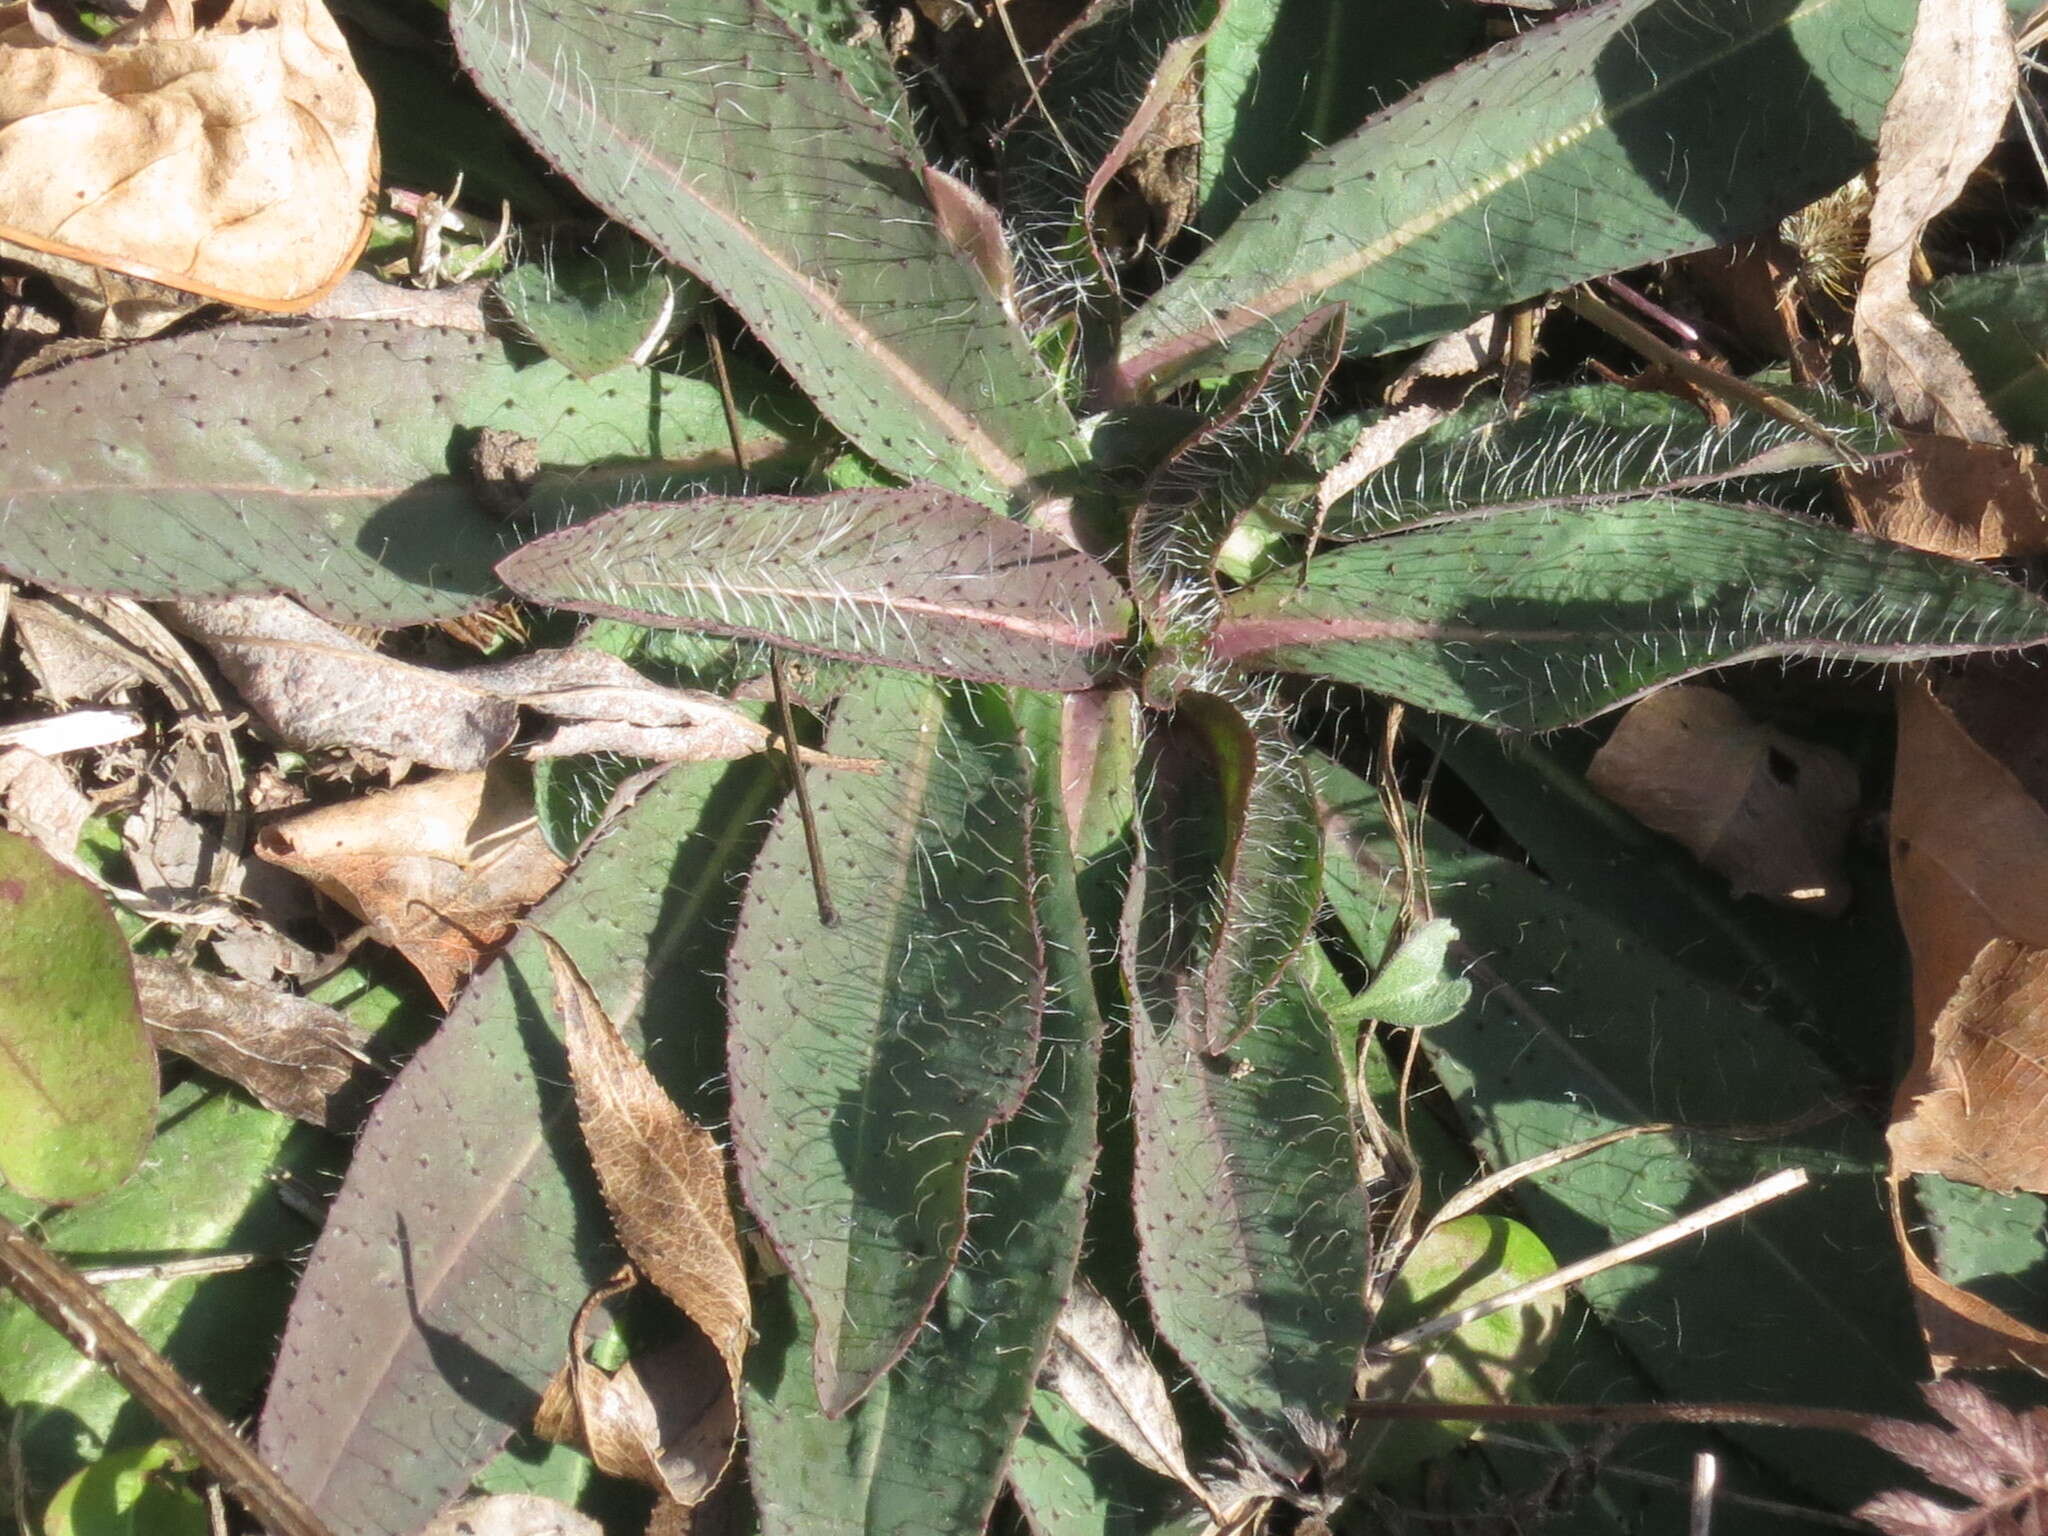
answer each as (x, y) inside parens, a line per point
(1954, 93)
(439, 870)
(511, 1514)
(663, 1419)
(1770, 812)
(292, 1054)
(664, 1179)
(39, 800)
(1976, 501)
(234, 158)
(1103, 1372)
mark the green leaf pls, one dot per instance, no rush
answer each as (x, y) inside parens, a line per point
(207, 1188)
(1489, 1360)
(924, 1451)
(77, 1071)
(1618, 135)
(870, 1058)
(1283, 78)
(1252, 1243)
(1589, 442)
(1997, 320)
(596, 309)
(138, 1492)
(469, 1172)
(1413, 990)
(1070, 1481)
(1989, 1242)
(1543, 616)
(1577, 1028)
(909, 577)
(325, 460)
(715, 131)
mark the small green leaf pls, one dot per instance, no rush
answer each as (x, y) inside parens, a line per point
(1489, 1360)
(1072, 1481)
(1996, 319)
(596, 310)
(1412, 990)
(137, 1492)
(1543, 616)
(77, 1072)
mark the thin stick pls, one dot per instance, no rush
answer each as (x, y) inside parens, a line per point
(828, 914)
(55, 1293)
(1713, 381)
(1841, 1421)
(175, 1269)
(1706, 1474)
(1778, 1184)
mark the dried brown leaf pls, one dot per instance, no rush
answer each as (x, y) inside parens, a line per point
(664, 1179)
(296, 1056)
(236, 160)
(1977, 1095)
(39, 800)
(1100, 1368)
(1969, 835)
(1976, 501)
(1955, 91)
(439, 870)
(1770, 812)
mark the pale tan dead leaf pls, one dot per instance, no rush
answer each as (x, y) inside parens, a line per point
(236, 159)
(1103, 1372)
(1976, 501)
(39, 800)
(1374, 449)
(511, 1514)
(665, 1419)
(315, 686)
(296, 1056)
(1955, 91)
(1969, 836)
(1770, 812)
(364, 296)
(664, 1180)
(439, 870)
(67, 662)
(1468, 354)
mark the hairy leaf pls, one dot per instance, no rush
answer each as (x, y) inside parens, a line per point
(468, 1173)
(1588, 442)
(1619, 135)
(916, 577)
(1996, 319)
(1070, 1481)
(923, 1454)
(325, 460)
(599, 309)
(715, 131)
(1542, 616)
(870, 1058)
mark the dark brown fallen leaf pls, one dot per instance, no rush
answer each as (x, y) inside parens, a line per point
(1954, 94)
(1993, 1457)
(296, 1056)
(1975, 501)
(233, 156)
(439, 870)
(664, 1178)
(1770, 812)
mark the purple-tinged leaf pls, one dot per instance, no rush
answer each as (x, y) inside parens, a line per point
(869, 1059)
(731, 144)
(438, 1300)
(914, 577)
(323, 460)
(1541, 616)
